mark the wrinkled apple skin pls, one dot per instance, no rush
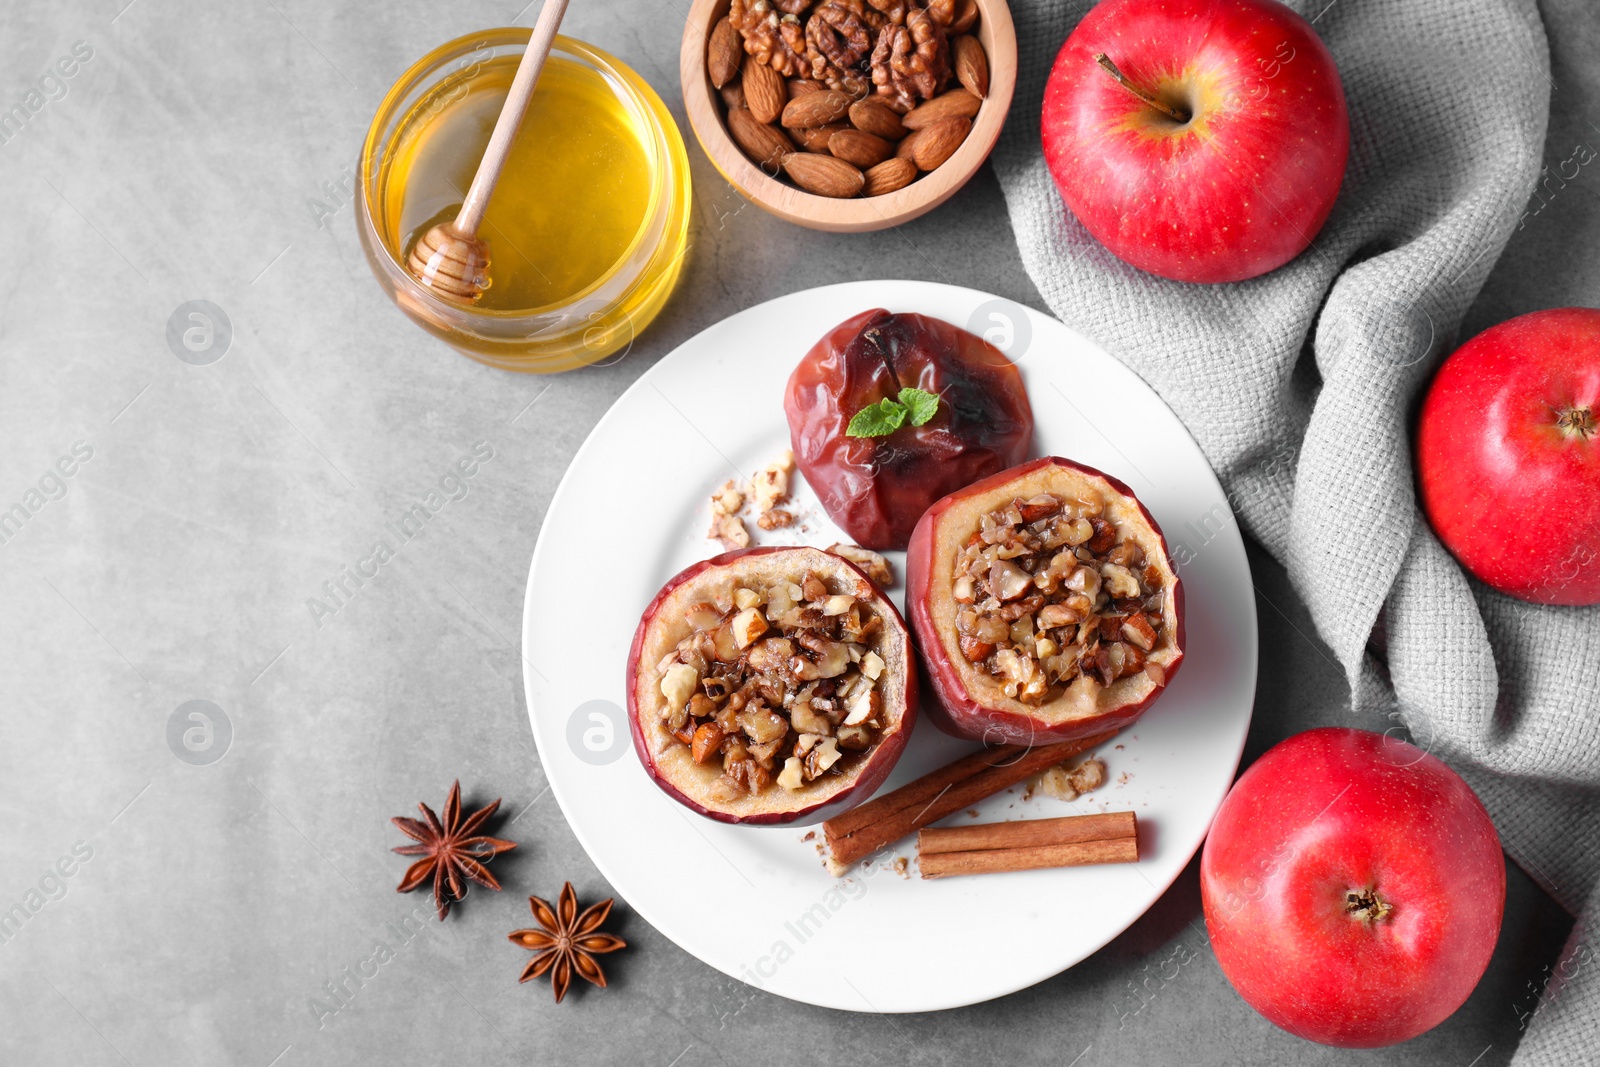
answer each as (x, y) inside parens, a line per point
(954, 709)
(875, 488)
(1240, 189)
(869, 775)
(1334, 810)
(1510, 491)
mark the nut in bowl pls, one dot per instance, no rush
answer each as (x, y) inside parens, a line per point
(848, 115)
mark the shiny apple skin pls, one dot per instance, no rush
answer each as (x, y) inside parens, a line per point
(1332, 810)
(869, 776)
(876, 488)
(1510, 492)
(1243, 187)
(954, 710)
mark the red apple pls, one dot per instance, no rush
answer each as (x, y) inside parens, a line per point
(1508, 456)
(1215, 151)
(1352, 886)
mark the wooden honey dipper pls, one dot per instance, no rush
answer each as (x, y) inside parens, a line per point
(451, 259)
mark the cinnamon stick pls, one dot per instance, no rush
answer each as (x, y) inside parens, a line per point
(1028, 833)
(886, 819)
(996, 860)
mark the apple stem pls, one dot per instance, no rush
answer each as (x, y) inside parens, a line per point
(1577, 422)
(1143, 94)
(1364, 904)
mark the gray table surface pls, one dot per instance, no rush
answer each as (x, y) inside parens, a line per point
(204, 151)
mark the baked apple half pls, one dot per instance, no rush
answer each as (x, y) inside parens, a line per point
(950, 408)
(770, 685)
(1045, 605)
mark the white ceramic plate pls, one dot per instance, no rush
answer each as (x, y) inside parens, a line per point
(633, 510)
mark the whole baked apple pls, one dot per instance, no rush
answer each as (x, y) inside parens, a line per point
(1353, 886)
(876, 484)
(1201, 140)
(1508, 456)
(770, 685)
(1045, 605)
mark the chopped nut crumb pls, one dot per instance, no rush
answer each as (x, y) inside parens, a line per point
(900, 866)
(726, 526)
(727, 500)
(775, 519)
(1068, 784)
(770, 486)
(873, 565)
(1047, 594)
(730, 531)
(778, 681)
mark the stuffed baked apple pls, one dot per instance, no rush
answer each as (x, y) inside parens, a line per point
(770, 685)
(889, 412)
(1045, 605)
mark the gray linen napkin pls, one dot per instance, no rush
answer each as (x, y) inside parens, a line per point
(1300, 388)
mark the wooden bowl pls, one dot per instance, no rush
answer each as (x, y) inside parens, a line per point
(994, 31)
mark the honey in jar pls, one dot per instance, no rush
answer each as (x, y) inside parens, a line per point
(587, 226)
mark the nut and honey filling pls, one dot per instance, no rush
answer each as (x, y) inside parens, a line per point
(779, 684)
(1052, 594)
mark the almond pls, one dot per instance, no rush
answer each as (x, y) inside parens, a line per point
(957, 103)
(802, 86)
(733, 96)
(908, 145)
(877, 118)
(860, 149)
(764, 92)
(938, 142)
(816, 140)
(724, 53)
(888, 176)
(765, 145)
(971, 64)
(824, 175)
(809, 110)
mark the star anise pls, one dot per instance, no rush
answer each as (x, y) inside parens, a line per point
(569, 941)
(451, 850)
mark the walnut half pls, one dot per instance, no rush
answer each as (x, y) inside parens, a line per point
(911, 62)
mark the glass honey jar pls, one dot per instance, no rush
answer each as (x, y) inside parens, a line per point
(587, 228)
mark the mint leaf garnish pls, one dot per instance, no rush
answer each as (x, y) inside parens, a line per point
(877, 420)
(915, 406)
(920, 405)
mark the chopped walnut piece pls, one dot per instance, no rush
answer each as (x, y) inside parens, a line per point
(1065, 784)
(877, 569)
(776, 519)
(730, 531)
(725, 523)
(727, 500)
(770, 486)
